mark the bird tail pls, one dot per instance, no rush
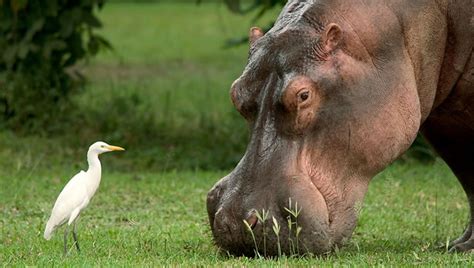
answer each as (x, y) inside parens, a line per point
(48, 231)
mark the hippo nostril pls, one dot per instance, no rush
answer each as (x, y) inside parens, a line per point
(252, 219)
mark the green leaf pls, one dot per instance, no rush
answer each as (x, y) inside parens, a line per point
(9, 55)
(93, 46)
(17, 5)
(52, 45)
(233, 5)
(69, 21)
(23, 49)
(236, 6)
(67, 26)
(90, 19)
(52, 8)
(35, 27)
(104, 44)
(260, 13)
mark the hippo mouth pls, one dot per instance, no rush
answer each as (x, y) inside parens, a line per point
(294, 221)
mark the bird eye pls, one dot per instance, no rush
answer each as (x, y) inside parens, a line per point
(102, 146)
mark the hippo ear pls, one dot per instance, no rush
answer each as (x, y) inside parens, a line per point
(254, 34)
(332, 37)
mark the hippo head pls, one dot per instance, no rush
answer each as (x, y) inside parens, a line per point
(325, 116)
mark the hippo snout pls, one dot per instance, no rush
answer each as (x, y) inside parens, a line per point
(282, 222)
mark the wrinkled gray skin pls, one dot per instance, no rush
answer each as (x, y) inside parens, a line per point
(333, 93)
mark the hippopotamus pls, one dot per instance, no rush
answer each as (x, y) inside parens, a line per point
(333, 93)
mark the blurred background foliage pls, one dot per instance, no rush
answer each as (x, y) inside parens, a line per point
(162, 92)
(244, 7)
(39, 41)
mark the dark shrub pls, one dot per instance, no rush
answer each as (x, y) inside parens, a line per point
(39, 43)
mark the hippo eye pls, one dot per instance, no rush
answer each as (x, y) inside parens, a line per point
(303, 95)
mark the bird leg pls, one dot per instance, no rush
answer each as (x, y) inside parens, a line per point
(66, 231)
(75, 237)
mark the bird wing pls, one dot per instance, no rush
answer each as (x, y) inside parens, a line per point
(73, 196)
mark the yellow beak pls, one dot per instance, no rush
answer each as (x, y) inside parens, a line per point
(115, 148)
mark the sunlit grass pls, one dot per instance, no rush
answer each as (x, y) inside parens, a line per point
(160, 218)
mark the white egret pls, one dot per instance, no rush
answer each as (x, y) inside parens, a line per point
(77, 193)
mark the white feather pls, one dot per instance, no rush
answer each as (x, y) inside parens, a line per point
(74, 196)
(78, 192)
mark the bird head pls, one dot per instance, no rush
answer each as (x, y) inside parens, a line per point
(102, 147)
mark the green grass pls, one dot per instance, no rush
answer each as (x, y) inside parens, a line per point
(160, 219)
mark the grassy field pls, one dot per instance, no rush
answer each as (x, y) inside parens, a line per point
(160, 219)
(163, 94)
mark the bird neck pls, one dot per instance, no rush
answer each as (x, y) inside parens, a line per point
(94, 163)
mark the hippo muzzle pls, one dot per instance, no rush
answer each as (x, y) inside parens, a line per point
(285, 219)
